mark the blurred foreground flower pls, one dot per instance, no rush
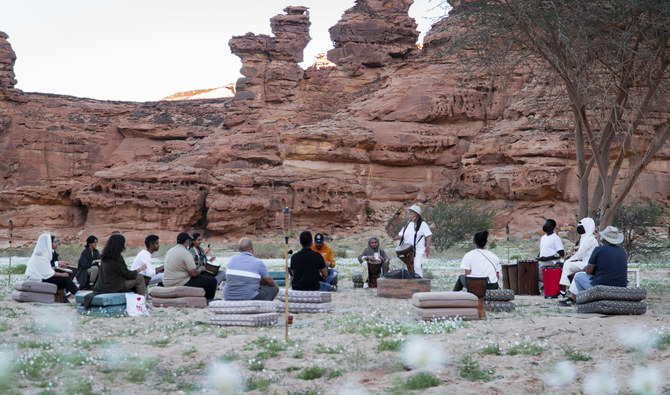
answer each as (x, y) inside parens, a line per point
(421, 354)
(225, 378)
(646, 381)
(562, 374)
(52, 320)
(6, 371)
(602, 382)
(638, 339)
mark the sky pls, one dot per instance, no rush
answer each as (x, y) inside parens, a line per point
(142, 50)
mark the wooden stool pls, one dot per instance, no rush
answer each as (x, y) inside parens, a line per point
(59, 297)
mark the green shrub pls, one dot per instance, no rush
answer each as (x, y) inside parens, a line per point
(256, 383)
(268, 250)
(471, 370)
(16, 269)
(326, 349)
(422, 380)
(526, 348)
(635, 220)
(492, 349)
(663, 341)
(390, 345)
(455, 222)
(311, 373)
(256, 364)
(576, 355)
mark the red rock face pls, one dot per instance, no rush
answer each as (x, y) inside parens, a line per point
(324, 142)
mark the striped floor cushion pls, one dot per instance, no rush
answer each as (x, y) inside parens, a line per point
(34, 297)
(501, 295)
(357, 278)
(295, 307)
(242, 307)
(36, 286)
(428, 314)
(176, 292)
(261, 319)
(107, 311)
(613, 307)
(605, 292)
(444, 299)
(304, 296)
(186, 301)
(496, 305)
(103, 300)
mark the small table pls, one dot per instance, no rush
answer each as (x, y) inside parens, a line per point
(637, 275)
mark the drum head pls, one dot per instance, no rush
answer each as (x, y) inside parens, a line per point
(403, 247)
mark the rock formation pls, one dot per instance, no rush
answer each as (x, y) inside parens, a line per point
(387, 126)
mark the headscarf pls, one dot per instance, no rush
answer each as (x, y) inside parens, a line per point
(587, 241)
(369, 251)
(39, 264)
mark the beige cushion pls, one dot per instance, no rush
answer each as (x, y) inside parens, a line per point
(444, 299)
(176, 292)
(36, 286)
(35, 297)
(465, 313)
(187, 301)
(244, 319)
(294, 307)
(242, 306)
(304, 296)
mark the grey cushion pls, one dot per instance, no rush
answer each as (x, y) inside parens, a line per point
(176, 292)
(242, 307)
(613, 307)
(244, 319)
(102, 300)
(606, 292)
(296, 307)
(36, 286)
(495, 305)
(34, 297)
(107, 311)
(357, 278)
(502, 295)
(428, 314)
(186, 301)
(304, 296)
(444, 299)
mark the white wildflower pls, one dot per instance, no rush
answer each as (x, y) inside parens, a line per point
(225, 378)
(421, 354)
(602, 382)
(562, 374)
(6, 371)
(637, 338)
(646, 381)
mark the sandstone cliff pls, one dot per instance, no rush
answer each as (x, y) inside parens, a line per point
(387, 126)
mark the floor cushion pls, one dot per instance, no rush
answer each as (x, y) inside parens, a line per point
(606, 292)
(296, 307)
(242, 306)
(304, 296)
(613, 307)
(357, 278)
(100, 311)
(502, 295)
(428, 314)
(102, 300)
(496, 305)
(444, 299)
(176, 292)
(244, 319)
(186, 301)
(36, 286)
(34, 297)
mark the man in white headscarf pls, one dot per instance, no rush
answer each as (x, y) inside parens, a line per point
(39, 266)
(587, 242)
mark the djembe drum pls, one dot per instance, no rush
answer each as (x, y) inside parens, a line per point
(374, 271)
(406, 254)
(510, 277)
(212, 268)
(477, 287)
(528, 277)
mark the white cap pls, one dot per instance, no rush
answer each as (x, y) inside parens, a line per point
(416, 209)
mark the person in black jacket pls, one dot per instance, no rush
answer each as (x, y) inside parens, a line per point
(307, 267)
(89, 260)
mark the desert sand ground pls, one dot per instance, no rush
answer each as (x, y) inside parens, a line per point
(357, 348)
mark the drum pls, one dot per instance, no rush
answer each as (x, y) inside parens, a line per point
(477, 286)
(374, 271)
(510, 275)
(528, 277)
(406, 254)
(212, 268)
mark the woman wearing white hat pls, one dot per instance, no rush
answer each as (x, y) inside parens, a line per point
(417, 233)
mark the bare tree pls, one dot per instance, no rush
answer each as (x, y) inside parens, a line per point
(612, 57)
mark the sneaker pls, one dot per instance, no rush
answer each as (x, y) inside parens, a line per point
(561, 293)
(365, 285)
(566, 302)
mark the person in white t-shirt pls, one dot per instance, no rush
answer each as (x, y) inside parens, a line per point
(551, 246)
(417, 233)
(144, 258)
(479, 262)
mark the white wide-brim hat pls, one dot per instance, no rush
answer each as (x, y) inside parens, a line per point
(416, 209)
(612, 235)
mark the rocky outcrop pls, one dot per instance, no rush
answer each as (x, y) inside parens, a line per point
(7, 59)
(340, 150)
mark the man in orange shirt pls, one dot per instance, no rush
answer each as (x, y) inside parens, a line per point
(322, 248)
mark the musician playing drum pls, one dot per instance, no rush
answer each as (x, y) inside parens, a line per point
(417, 233)
(373, 252)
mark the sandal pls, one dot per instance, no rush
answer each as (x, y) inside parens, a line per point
(566, 302)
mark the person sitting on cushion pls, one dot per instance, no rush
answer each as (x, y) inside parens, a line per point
(87, 269)
(247, 277)
(479, 262)
(143, 258)
(307, 267)
(373, 251)
(180, 269)
(39, 267)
